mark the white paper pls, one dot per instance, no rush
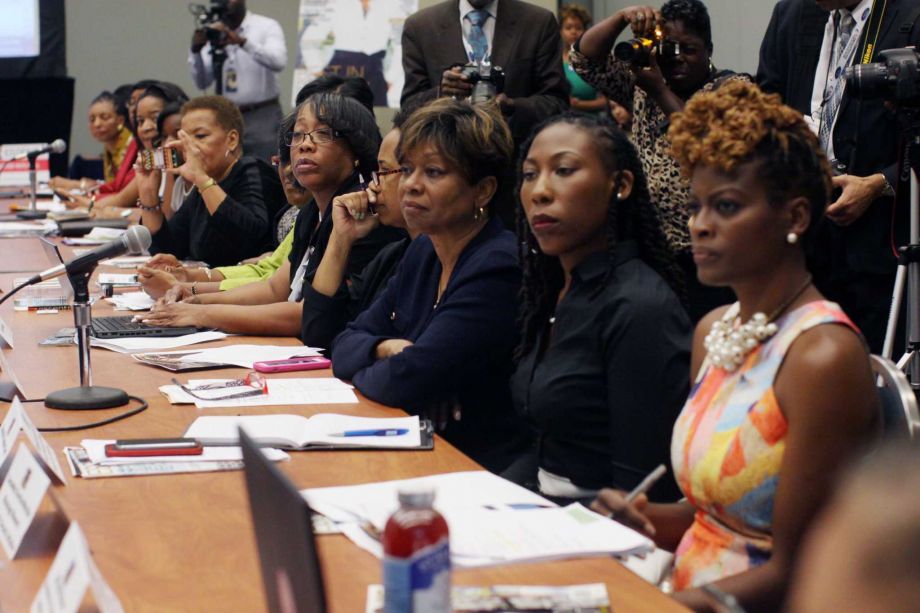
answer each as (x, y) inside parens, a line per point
(95, 449)
(316, 390)
(26, 228)
(117, 279)
(6, 333)
(375, 502)
(20, 496)
(100, 233)
(126, 261)
(301, 431)
(132, 301)
(134, 344)
(9, 429)
(71, 573)
(246, 355)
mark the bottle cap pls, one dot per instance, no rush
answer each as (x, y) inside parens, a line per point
(416, 497)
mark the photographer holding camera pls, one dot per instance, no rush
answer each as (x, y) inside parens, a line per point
(804, 55)
(255, 52)
(653, 75)
(452, 46)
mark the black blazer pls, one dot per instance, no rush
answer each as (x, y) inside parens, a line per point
(526, 45)
(866, 133)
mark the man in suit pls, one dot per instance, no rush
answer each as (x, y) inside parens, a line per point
(521, 38)
(806, 49)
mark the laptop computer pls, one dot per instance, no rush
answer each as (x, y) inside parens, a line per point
(119, 326)
(291, 572)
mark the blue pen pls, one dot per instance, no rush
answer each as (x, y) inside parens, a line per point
(385, 432)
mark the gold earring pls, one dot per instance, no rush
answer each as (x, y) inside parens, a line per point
(690, 221)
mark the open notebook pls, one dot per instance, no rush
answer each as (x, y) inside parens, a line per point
(322, 431)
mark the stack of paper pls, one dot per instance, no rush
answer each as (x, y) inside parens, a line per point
(314, 390)
(588, 598)
(89, 461)
(133, 344)
(126, 261)
(26, 228)
(132, 301)
(243, 356)
(491, 520)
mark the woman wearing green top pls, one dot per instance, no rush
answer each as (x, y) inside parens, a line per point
(575, 21)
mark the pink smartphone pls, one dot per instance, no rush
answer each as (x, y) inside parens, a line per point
(310, 363)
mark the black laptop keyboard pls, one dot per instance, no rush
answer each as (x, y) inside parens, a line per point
(112, 327)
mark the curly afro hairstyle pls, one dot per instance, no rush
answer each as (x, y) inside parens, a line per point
(693, 14)
(737, 124)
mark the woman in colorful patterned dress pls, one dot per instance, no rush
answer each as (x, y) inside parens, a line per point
(782, 392)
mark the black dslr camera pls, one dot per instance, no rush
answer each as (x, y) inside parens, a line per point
(488, 81)
(207, 16)
(896, 78)
(638, 51)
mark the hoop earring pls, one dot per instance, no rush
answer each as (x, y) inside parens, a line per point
(792, 238)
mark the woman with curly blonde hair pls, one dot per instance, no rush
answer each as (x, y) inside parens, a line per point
(782, 392)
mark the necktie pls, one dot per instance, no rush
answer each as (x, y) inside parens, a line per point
(477, 38)
(834, 91)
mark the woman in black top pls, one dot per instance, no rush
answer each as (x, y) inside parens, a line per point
(605, 344)
(225, 218)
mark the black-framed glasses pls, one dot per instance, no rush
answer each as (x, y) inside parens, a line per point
(317, 137)
(379, 174)
(253, 384)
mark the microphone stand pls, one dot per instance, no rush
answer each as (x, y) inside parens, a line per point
(33, 212)
(87, 396)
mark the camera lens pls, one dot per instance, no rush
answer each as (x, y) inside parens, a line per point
(636, 50)
(867, 80)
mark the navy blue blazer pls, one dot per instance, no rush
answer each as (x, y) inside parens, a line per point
(461, 348)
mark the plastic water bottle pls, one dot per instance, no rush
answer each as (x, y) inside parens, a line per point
(416, 557)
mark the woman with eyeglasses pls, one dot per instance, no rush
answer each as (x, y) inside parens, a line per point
(437, 341)
(678, 67)
(328, 304)
(225, 217)
(334, 141)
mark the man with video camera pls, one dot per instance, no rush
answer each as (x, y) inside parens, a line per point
(253, 51)
(807, 48)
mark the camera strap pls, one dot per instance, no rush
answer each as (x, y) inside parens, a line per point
(872, 31)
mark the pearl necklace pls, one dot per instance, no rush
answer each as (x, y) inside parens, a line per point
(728, 343)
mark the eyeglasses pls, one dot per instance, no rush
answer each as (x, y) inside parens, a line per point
(379, 174)
(255, 385)
(317, 137)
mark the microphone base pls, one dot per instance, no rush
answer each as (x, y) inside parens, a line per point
(82, 398)
(31, 214)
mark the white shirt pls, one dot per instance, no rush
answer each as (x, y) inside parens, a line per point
(824, 74)
(488, 27)
(352, 30)
(254, 65)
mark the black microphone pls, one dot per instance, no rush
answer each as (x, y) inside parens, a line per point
(58, 146)
(135, 240)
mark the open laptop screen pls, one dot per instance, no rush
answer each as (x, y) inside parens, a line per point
(291, 572)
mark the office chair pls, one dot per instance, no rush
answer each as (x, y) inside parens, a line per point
(900, 416)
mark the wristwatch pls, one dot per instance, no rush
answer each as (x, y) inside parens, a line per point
(207, 185)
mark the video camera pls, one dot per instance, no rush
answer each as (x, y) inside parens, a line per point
(207, 16)
(488, 81)
(639, 50)
(896, 78)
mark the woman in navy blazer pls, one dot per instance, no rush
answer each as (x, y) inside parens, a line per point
(438, 341)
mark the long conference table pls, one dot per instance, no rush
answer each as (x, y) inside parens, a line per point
(186, 542)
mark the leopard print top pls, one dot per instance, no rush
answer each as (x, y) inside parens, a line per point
(669, 191)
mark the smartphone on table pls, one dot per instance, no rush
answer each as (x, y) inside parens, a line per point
(142, 447)
(308, 363)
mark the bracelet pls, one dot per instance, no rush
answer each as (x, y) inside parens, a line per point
(150, 209)
(207, 185)
(195, 288)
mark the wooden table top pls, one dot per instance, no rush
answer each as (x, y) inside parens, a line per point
(185, 542)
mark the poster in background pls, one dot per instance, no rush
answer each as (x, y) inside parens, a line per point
(353, 38)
